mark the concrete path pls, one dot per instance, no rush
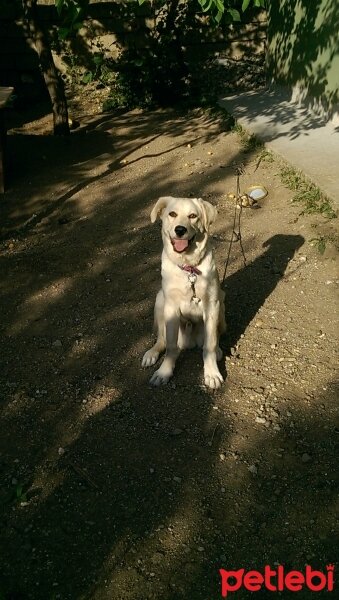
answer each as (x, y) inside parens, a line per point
(301, 138)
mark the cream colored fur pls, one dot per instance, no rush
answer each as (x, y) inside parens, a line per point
(180, 321)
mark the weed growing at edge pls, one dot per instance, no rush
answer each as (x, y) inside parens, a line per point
(248, 141)
(308, 194)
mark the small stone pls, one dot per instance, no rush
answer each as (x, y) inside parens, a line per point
(14, 481)
(303, 258)
(222, 456)
(177, 479)
(57, 344)
(189, 145)
(157, 558)
(305, 458)
(177, 431)
(201, 548)
(259, 323)
(61, 451)
(260, 420)
(253, 469)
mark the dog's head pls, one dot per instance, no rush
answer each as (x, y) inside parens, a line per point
(185, 223)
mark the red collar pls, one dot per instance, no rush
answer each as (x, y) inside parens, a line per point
(190, 269)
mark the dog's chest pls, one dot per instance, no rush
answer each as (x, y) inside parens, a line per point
(189, 293)
(191, 309)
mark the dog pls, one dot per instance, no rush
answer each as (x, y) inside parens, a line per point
(189, 308)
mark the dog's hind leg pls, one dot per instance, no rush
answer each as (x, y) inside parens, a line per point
(221, 317)
(151, 356)
(219, 354)
(185, 337)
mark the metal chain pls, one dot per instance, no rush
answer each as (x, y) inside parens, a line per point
(236, 229)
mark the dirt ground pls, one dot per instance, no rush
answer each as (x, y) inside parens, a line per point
(111, 489)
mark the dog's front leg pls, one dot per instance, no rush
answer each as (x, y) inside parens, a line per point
(213, 377)
(172, 321)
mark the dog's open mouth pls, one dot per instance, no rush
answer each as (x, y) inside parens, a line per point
(180, 245)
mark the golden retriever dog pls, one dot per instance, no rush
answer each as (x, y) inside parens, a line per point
(189, 308)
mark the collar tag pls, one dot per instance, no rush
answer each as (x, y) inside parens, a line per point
(192, 275)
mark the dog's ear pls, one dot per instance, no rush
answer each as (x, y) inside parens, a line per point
(159, 207)
(209, 213)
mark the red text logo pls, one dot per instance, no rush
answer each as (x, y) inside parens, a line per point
(277, 580)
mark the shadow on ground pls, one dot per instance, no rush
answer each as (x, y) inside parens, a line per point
(112, 489)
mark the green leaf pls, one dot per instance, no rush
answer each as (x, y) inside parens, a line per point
(220, 6)
(245, 5)
(205, 4)
(98, 60)
(321, 245)
(64, 32)
(235, 14)
(87, 77)
(59, 5)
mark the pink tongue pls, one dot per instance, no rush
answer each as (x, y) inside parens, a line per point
(180, 245)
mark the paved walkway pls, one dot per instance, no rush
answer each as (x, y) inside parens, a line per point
(293, 132)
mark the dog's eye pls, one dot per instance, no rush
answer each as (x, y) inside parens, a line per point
(173, 214)
(192, 216)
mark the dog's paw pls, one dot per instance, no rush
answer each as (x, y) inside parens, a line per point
(150, 358)
(213, 380)
(160, 377)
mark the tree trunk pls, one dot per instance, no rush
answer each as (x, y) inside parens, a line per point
(52, 77)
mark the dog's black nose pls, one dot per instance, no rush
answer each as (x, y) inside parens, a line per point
(180, 230)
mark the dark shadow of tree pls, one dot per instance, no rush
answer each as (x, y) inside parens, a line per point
(67, 161)
(124, 482)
